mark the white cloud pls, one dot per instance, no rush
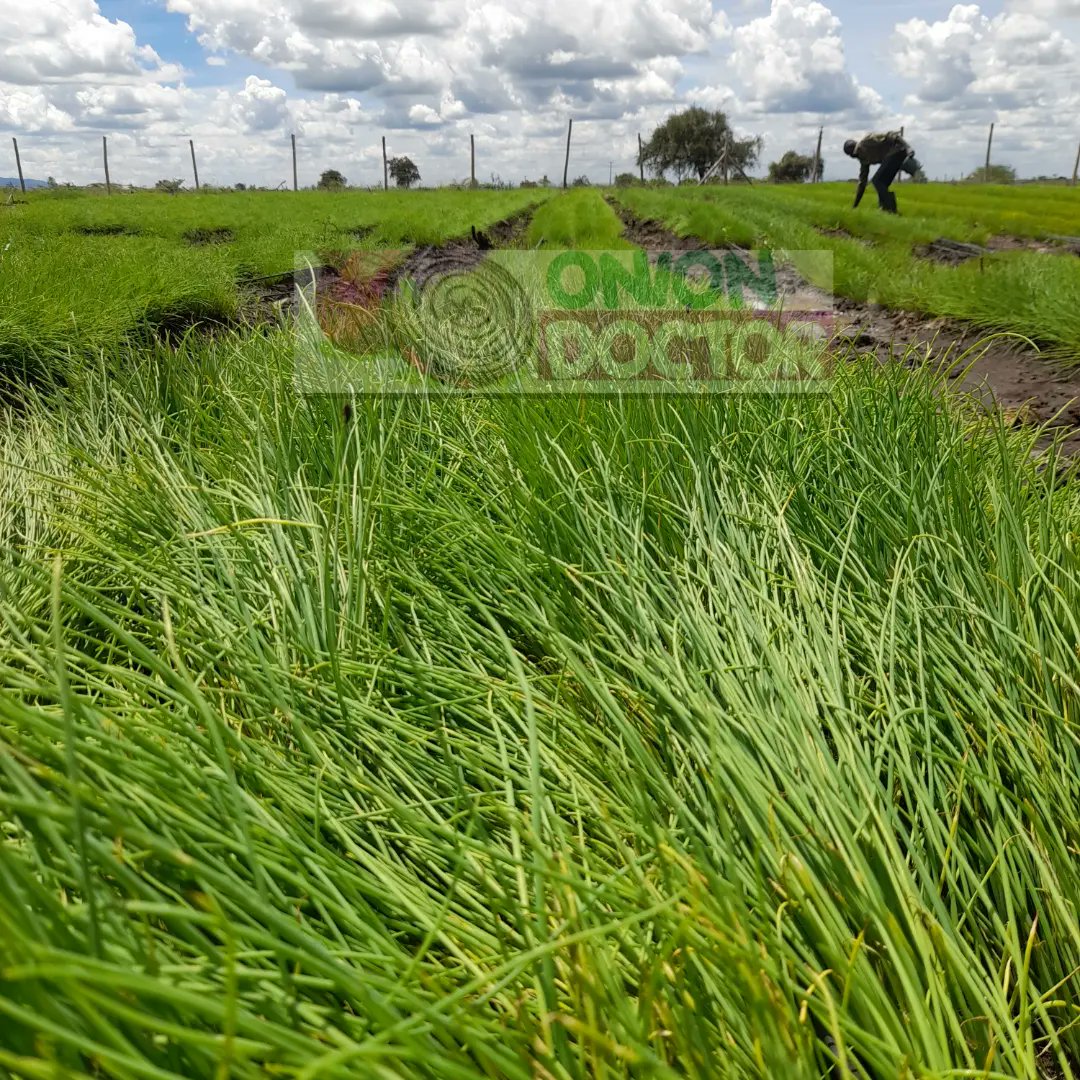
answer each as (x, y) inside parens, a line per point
(62, 40)
(260, 106)
(792, 60)
(969, 59)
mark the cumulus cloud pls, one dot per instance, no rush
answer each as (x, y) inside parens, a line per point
(969, 59)
(489, 54)
(67, 39)
(792, 60)
(260, 106)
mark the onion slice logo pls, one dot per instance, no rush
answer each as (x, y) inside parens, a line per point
(470, 328)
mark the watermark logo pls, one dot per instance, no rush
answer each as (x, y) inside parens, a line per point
(532, 322)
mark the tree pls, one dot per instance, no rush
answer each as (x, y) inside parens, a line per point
(404, 172)
(999, 174)
(792, 168)
(627, 179)
(688, 143)
(169, 187)
(581, 181)
(331, 180)
(241, 187)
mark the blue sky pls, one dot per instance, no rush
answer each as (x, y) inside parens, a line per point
(240, 77)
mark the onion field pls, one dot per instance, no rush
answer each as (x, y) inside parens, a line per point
(501, 736)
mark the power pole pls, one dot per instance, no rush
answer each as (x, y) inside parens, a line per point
(194, 166)
(817, 156)
(610, 165)
(566, 165)
(472, 160)
(641, 159)
(22, 183)
(105, 155)
(727, 143)
(989, 144)
(295, 184)
(1076, 167)
(385, 173)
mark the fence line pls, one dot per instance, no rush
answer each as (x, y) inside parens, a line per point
(571, 145)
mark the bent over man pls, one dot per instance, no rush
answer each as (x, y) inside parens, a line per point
(888, 150)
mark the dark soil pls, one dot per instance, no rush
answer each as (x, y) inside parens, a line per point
(1055, 245)
(1008, 373)
(954, 252)
(839, 233)
(203, 237)
(271, 296)
(950, 252)
(107, 230)
(650, 234)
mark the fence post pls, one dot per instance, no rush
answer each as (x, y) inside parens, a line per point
(105, 155)
(295, 184)
(566, 164)
(989, 144)
(385, 173)
(472, 161)
(817, 156)
(640, 158)
(194, 167)
(1076, 167)
(18, 165)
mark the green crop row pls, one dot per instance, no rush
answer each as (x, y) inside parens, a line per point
(1029, 293)
(79, 274)
(728, 736)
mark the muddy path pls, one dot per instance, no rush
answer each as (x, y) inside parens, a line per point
(1006, 372)
(359, 280)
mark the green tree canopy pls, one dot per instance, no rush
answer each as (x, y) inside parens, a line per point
(331, 180)
(689, 142)
(792, 168)
(404, 172)
(998, 174)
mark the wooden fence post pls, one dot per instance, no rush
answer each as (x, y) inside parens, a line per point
(385, 172)
(989, 144)
(817, 156)
(295, 184)
(18, 165)
(566, 164)
(194, 166)
(105, 155)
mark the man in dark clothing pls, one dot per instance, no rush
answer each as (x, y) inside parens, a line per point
(888, 150)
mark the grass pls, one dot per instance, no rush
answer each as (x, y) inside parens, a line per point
(1027, 293)
(579, 218)
(62, 290)
(465, 738)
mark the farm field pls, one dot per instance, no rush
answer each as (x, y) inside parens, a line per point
(714, 735)
(1029, 285)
